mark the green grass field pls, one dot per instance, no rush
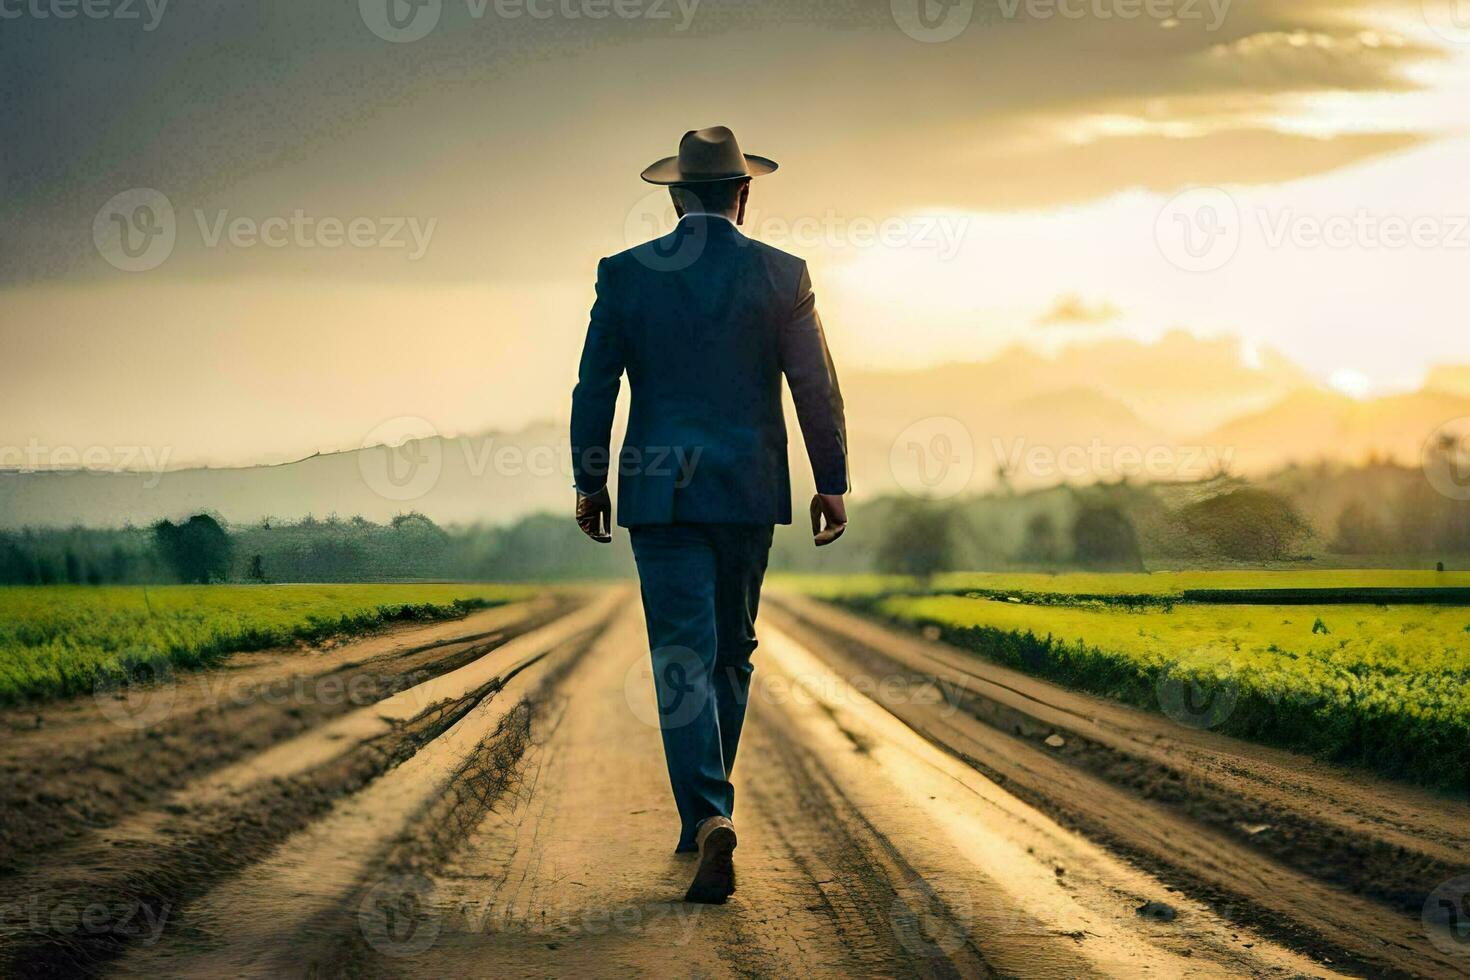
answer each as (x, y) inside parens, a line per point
(1161, 584)
(1383, 686)
(61, 640)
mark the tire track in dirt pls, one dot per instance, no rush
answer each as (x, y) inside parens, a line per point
(889, 919)
(576, 874)
(513, 818)
(1002, 733)
(256, 922)
(166, 859)
(74, 767)
(865, 851)
(159, 859)
(1030, 898)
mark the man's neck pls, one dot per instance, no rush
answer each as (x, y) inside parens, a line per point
(711, 214)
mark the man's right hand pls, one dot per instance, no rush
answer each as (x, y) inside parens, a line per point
(828, 506)
(594, 515)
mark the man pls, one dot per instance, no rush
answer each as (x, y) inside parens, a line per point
(705, 322)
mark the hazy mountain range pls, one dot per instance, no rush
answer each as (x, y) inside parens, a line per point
(1180, 408)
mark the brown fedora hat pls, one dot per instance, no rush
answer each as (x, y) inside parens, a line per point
(707, 155)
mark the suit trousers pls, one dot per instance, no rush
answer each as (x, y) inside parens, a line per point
(701, 586)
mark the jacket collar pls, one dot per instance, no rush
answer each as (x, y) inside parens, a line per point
(712, 222)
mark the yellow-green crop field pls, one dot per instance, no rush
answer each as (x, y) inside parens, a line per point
(59, 640)
(1386, 686)
(1161, 584)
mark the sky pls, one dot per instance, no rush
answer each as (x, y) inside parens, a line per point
(343, 213)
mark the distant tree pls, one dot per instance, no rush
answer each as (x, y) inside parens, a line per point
(1360, 532)
(16, 566)
(1427, 521)
(330, 559)
(1041, 544)
(73, 564)
(118, 564)
(197, 551)
(917, 540)
(1003, 479)
(1247, 524)
(45, 571)
(539, 546)
(1103, 538)
(257, 569)
(413, 521)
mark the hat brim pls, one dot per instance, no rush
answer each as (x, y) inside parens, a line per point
(666, 171)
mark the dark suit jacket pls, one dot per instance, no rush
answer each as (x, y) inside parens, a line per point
(705, 321)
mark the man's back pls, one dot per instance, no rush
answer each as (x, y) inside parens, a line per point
(705, 321)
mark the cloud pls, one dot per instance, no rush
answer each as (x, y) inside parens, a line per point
(1070, 310)
(1303, 60)
(522, 136)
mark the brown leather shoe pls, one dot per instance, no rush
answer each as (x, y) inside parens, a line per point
(715, 879)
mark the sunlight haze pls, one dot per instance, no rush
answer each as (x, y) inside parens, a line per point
(1027, 214)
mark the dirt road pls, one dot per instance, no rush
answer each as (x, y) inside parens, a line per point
(505, 812)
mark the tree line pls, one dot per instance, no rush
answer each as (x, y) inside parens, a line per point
(205, 549)
(1374, 510)
(1375, 513)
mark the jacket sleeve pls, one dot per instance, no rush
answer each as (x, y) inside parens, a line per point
(807, 365)
(596, 394)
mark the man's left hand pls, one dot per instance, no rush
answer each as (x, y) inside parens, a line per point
(594, 515)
